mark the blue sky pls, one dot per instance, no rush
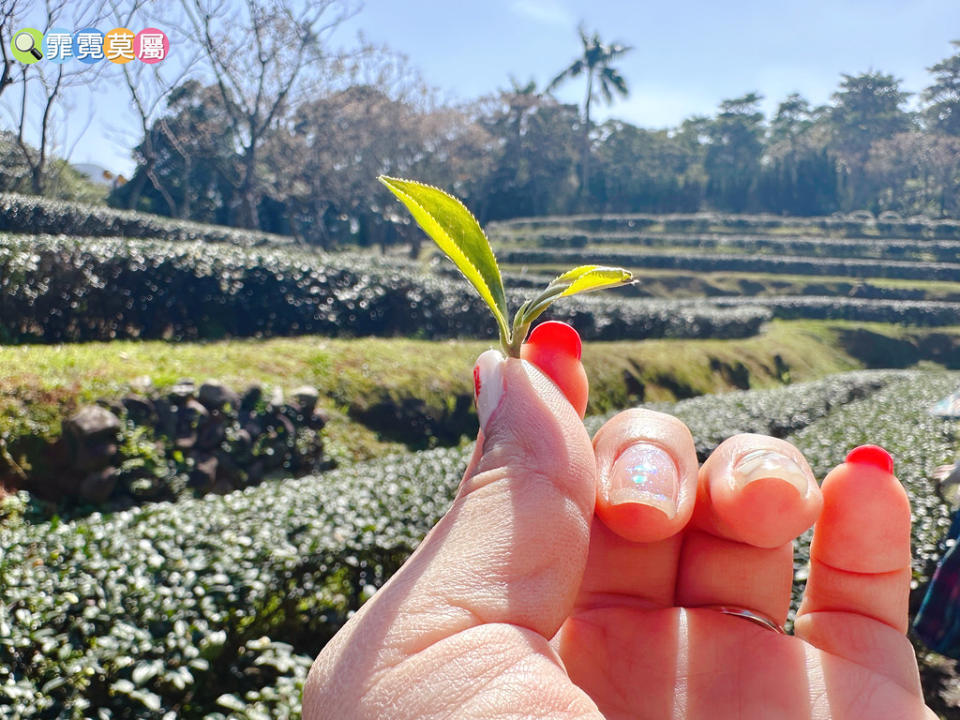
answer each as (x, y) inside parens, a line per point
(688, 54)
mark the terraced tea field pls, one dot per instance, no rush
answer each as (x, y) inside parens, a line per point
(213, 606)
(870, 271)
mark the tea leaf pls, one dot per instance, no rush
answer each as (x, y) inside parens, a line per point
(454, 229)
(585, 278)
(591, 277)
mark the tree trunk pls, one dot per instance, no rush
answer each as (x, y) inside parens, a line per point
(585, 151)
(36, 178)
(187, 167)
(167, 197)
(248, 216)
(139, 180)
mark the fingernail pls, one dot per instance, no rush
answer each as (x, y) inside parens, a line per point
(760, 464)
(559, 336)
(872, 455)
(488, 384)
(645, 473)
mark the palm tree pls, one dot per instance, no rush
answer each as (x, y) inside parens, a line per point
(595, 61)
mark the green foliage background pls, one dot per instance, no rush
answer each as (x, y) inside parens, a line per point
(215, 607)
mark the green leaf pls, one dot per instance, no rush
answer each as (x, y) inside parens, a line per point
(454, 229)
(587, 278)
(231, 702)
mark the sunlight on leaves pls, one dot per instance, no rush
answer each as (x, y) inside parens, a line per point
(454, 229)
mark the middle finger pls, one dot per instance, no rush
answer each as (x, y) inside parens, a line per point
(647, 486)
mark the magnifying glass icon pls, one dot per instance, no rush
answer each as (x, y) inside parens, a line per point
(25, 43)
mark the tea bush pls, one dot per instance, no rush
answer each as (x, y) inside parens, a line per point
(705, 262)
(924, 313)
(36, 215)
(876, 248)
(169, 607)
(60, 289)
(213, 608)
(844, 226)
(896, 418)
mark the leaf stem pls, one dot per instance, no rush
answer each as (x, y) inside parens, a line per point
(521, 326)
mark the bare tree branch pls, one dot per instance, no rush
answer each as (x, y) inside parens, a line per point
(148, 87)
(41, 101)
(8, 21)
(257, 64)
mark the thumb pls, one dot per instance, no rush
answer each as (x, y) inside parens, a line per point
(513, 547)
(514, 544)
(491, 582)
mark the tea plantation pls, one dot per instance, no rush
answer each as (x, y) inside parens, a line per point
(887, 266)
(214, 606)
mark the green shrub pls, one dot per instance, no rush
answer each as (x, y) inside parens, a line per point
(58, 289)
(149, 611)
(36, 215)
(923, 313)
(947, 251)
(727, 223)
(214, 608)
(703, 262)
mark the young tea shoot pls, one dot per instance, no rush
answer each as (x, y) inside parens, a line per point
(456, 231)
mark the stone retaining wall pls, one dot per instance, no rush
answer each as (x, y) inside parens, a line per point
(156, 446)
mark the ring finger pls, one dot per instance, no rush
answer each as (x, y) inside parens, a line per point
(755, 495)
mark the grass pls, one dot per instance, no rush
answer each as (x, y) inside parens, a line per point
(674, 369)
(39, 383)
(384, 394)
(686, 284)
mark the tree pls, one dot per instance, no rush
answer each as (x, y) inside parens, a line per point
(193, 159)
(322, 163)
(943, 97)
(61, 180)
(641, 170)
(337, 146)
(42, 86)
(10, 18)
(259, 53)
(595, 63)
(793, 119)
(916, 173)
(867, 108)
(534, 164)
(798, 174)
(732, 160)
(148, 86)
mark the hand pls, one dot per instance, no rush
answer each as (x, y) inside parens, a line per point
(559, 587)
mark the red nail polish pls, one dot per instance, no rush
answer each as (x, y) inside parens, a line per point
(871, 455)
(476, 382)
(558, 336)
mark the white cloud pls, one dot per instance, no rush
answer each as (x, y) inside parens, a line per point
(547, 12)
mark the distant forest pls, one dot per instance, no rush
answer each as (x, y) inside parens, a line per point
(289, 139)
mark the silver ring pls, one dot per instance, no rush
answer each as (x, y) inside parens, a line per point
(741, 612)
